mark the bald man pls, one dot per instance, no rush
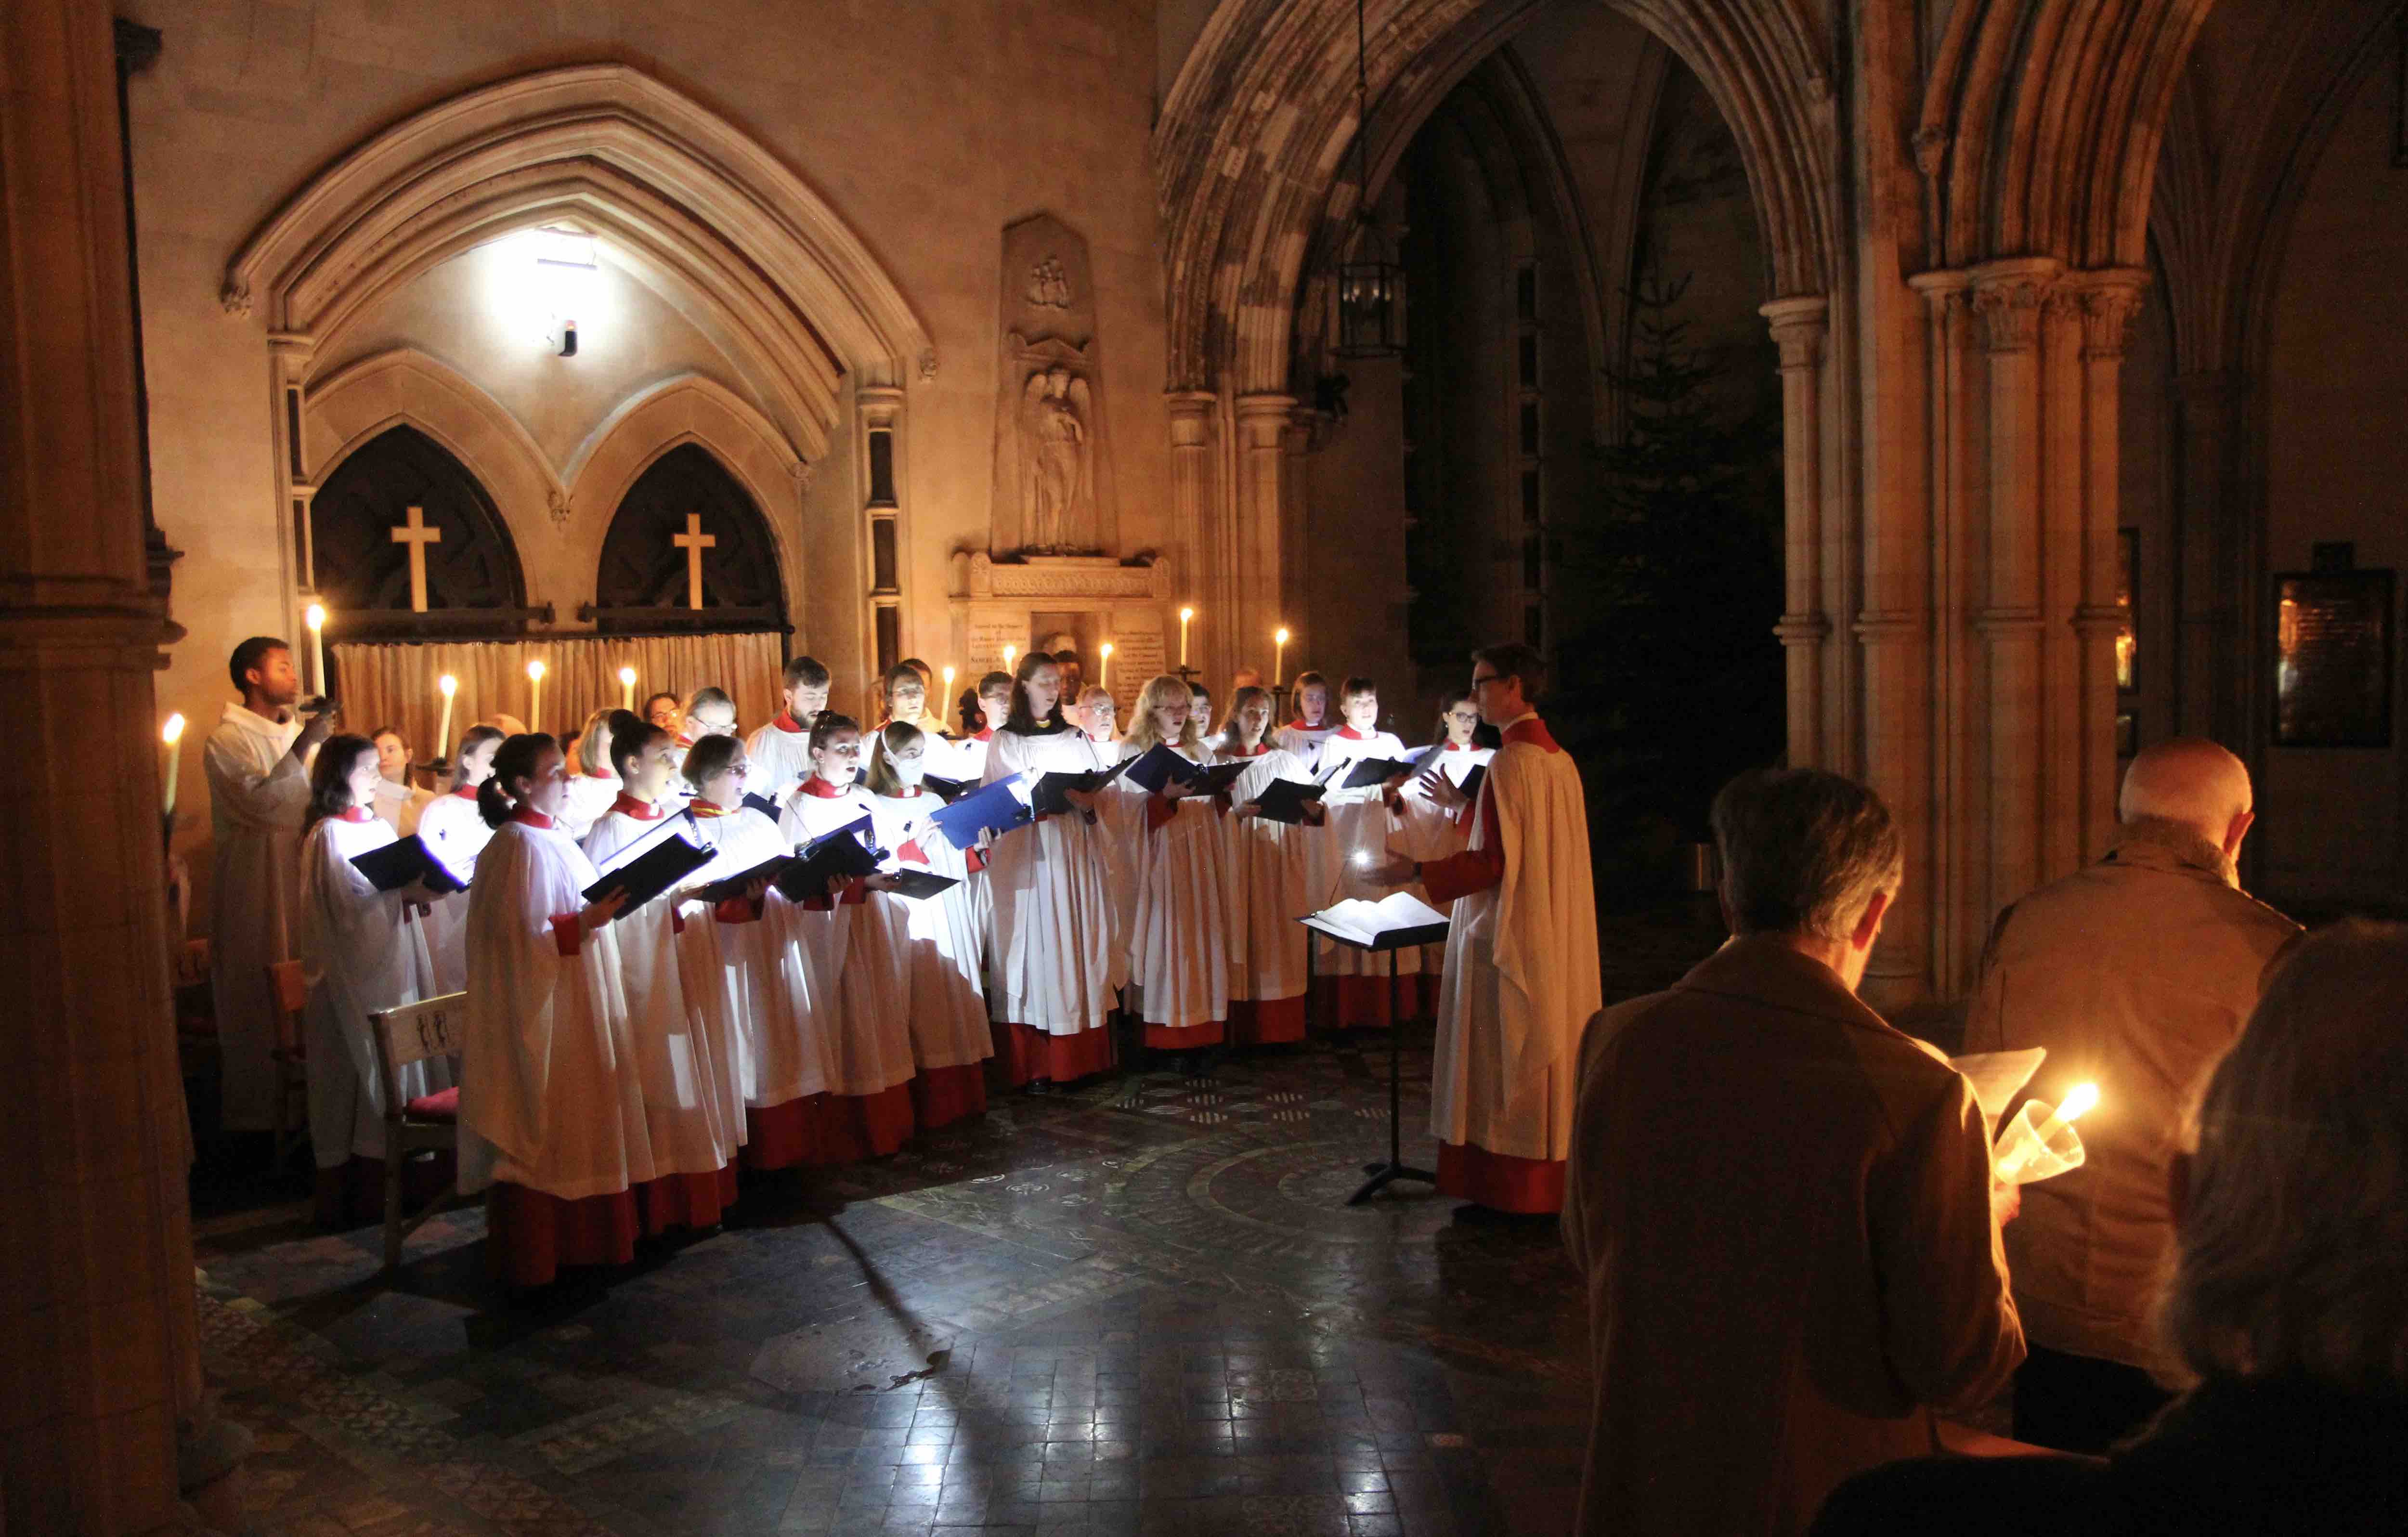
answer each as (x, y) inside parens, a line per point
(2137, 974)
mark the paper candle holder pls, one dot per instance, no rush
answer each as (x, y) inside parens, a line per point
(2023, 1157)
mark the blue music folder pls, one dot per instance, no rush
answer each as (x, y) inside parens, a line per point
(995, 808)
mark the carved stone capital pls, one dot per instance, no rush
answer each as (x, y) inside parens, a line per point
(1804, 629)
(1263, 419)
(1191, 417)
(1889, 627)
(880, 405)
(2011, 296)
(2109, 298)
(234, 297)
(2001, 625)
(1798, 326)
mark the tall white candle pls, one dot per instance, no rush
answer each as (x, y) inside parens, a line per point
(1279, 658)
(626, 688)
(1009, 653)
(1185, 615)
(173, 735)
(450, 685)
(1104, 672)
(947, 702)
(316, 620)
(535, 696)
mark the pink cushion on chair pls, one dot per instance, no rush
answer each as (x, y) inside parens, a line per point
(444, 1105)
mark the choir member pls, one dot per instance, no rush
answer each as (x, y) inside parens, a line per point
(994, 695)
(361, 949)
(455, 834)
(738, 966)
(662, 709)
(1243, 678)
(1312, 726)
(398, 802)
(709, 712)
(593, 784)
(852, 946)
(1200, 706)
(946, 933)
(1521, 957)
(509, 726)
(1429, 832)
(1074, 676)
(904, 693)
(1353, 984)
(1051, 885)
(552, 1110)
(779, 754)
(1098, 716)
(692, 1083)
(257, 762)
(1179, 952)
(1276, 872)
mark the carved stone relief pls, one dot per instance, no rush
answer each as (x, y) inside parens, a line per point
(1053, 484)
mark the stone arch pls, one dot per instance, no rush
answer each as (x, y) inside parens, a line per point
(691, 408)
(640, 568)
(472, 565)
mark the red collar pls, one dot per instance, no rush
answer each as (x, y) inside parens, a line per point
(1534, 731)
(1254, 751)
(985, 735)
(814, 785)
(708, 808)
(358, 813)
(786, 722)
(640, 809)
(466, 792)
(1305, 725)
(685, 744)
(1454, 746)
(905, 794)
(528, 816)
(1350, 733)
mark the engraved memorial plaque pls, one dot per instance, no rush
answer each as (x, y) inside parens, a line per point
(2332, 662)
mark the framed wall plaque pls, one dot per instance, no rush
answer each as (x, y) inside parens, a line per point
(2332, 658)
(2127, 599)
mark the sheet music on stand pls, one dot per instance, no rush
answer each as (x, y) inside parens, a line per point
(1386, 927)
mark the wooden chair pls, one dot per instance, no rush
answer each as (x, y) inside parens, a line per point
(403, 1036)
(289, 1052)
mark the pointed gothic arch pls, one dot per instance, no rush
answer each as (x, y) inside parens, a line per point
(643, 580)
(402, 479)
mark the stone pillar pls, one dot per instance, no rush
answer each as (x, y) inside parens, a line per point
(1209, 569)
(1958, 924)
(97, 1272)
(2210, 657)
(1798, 328)
(1263, 596)
(2109, 299)
(2011, 297)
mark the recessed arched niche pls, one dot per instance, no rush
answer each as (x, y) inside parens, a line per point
(688, 549)
(409, 544)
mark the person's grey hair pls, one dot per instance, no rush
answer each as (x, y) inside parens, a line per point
(1803, 852)
(2292, 1251)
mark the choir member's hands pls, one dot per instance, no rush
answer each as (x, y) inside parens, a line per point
(2006, 1200)
(424, 909)
(1315, 815)
(601, 912)
(931, 834)
(757, 891)
(1086, 800)
(882, 880)
(1445, 793)
(1175, 789)
(316, 729)
(1396, 871)
(1249, 809)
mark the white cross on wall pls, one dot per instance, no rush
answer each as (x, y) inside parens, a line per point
(418, 536)
(693, 541)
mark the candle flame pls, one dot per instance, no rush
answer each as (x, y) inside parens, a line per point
(535, 670)
(1009, 651)
(1108, 648)
(316, 616)
(948, 680)
(448, 684)
(173, 732)
(1186, 615)
(2078, 1100)
(627, 676)
(1281, 636)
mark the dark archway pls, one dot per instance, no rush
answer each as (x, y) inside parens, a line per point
(474, 585)
(642, 584)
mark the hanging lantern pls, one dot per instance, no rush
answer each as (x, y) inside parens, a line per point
(1371, 295)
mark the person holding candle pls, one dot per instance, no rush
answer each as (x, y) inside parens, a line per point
(257, 764)
(1055, 966)
(1276, 873)
(2285, 1300)
(552, 1109)
(361, 949)
(455, 834)
(1177, 928)
(781, 752)
(1781, 1208)
(2137, 973)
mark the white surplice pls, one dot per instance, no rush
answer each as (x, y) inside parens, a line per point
(1360, 828)
(550, 1096)
(257, 794)
(946, 933)
(778, 758)
(964, 758)
(1522, 976)
(1179, 926)
(455, 834)
(1304, 741)
(1429, 833)
(398, 806)
(737, 966)
(587, 801)
(362, 951)
(1051, 885)
(694, 1104)
(857, 945)
(1274, 872)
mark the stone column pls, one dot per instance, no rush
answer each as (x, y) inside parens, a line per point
(1958, 924)
(2109, 301)
(2011, 297)
(1798, 328)
(1263, 596)
(96, 1272)
(1210, 573)
(2210, 657)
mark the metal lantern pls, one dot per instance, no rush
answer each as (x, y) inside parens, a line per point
(1370, 294)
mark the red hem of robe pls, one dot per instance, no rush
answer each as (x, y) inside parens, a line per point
(1361, 1002)
(1499, 1181)
(530, 1235)
(1029, 1053)
(1177, 1037)
(352, 1195)
(782, 1135)
(941, 1095)
(1266, 1021)
(867, 1125)
(685, 1200)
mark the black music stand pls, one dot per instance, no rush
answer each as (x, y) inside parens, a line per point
(1384, 1174)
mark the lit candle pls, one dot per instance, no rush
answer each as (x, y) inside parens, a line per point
(626, 688)
(1185, 615)
(172, 734)
(2078, 1100)
(1104, 671)
(1009, 653)
(947, 701)
(1279, 657)
(535, 696)
(450, 685)
(316, 620)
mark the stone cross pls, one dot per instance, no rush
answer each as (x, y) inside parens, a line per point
(693, 541)
(418, 536)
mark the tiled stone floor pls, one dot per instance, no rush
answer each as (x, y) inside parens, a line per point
(1140, 1308)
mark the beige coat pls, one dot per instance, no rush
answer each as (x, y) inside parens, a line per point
(1781, 1209)
(2136, 974)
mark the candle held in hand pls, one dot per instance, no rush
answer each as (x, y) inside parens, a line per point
(1104, 671)
(450, 686)
(173, 735)
(2027, 1138)
(316, 619)
(626, 688)
(1278, 657)
(1185, 615)
(535, 696)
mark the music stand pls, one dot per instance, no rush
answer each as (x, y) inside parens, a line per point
(1384, 1174)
